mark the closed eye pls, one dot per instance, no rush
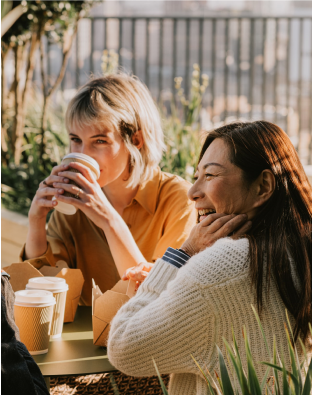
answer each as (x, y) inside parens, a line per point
(75, 140)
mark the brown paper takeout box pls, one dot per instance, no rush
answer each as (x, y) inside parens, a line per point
(21, 272)
(106, 305)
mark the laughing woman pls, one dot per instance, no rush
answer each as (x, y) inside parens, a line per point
(193, 297)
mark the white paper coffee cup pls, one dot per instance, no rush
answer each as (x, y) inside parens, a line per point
(59, 288)
(33, 311)
(86, 160)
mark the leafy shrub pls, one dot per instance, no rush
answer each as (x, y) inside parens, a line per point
(181, 125)
(20, 182)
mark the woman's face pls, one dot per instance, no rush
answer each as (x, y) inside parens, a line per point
(219, 185)
(107, 148)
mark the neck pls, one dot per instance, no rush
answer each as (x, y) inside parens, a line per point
(119, 195)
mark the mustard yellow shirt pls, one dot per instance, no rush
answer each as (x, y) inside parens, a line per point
(160, 215)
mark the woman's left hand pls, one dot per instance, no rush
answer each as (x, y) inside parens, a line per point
(138, 273)
(90, 200)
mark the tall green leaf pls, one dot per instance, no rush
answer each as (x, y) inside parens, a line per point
(308, 381)
(114, 385)
(277, 387)
(226, 384)
(253, 381)
(160, 379)
(205, 377)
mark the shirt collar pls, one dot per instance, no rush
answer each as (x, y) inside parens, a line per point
(147, 194)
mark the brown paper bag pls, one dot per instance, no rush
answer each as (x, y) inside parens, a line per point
(21, 272)
(105, 306)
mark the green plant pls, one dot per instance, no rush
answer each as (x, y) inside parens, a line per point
(286, 382)
(181, 125)
(20, 181)
(57, 20)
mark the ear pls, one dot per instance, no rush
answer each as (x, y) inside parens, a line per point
(137, 139)
(265, 187)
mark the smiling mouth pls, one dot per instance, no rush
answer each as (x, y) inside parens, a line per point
(203, 213)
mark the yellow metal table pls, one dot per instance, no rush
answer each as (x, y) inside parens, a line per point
(74, 353)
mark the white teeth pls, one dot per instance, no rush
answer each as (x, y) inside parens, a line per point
(206, 211)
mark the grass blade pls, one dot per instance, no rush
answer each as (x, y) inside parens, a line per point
(261, 328)
(295, 370)
(160, 378)
(225, 380)
(114, 385)
(253, 381)
(294, 355)
(205, 376)
(277, 388)
(280, 369)
(308, 381)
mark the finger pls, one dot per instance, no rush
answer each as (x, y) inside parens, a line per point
(58, 168)
(73, 189)
(78, 178)
(47, 203)
(231, 225)
(220, 222)
(51, 179)
(69, 200)
(84, 170)
(242, 230)
(47, 191)
(211, 218)
(138, 276)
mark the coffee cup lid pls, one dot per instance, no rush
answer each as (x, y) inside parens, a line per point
(34, 297)
(48, 283)
(86, 158)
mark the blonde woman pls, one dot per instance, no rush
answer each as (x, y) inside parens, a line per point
(134, 210)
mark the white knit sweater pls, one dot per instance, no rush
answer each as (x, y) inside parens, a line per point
(188, 311)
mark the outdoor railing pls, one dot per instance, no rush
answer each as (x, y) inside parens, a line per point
(258, 67)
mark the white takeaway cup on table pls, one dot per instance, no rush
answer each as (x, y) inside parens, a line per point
(86, 160)
(33, 311)
(59, 288)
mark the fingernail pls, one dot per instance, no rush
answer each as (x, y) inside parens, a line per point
(64, 166)
(244, 215)
(249, 223)
(54, 202)
(60, 190)
(66, 180)
(54, 184)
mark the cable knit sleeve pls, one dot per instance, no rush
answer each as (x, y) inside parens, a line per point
(168, 320)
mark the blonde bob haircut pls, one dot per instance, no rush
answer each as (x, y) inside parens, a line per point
(123, 102)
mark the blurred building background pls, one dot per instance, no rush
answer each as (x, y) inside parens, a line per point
(257, 55)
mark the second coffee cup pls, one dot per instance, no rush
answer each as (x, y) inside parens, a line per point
(59, 288)
(86, 160)
(33, 310)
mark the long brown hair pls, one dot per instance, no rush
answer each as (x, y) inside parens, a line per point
(280, 238)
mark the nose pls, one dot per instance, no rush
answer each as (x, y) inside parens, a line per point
(195, 191)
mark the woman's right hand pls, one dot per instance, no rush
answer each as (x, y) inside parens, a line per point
(42, 202)
(214, 227)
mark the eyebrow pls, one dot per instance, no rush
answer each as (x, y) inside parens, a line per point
(213, 164)
(96, 135)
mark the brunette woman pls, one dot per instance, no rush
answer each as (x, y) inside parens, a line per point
(194, 296)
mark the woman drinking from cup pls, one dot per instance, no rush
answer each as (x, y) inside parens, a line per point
(129, 212)
(193, 297)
